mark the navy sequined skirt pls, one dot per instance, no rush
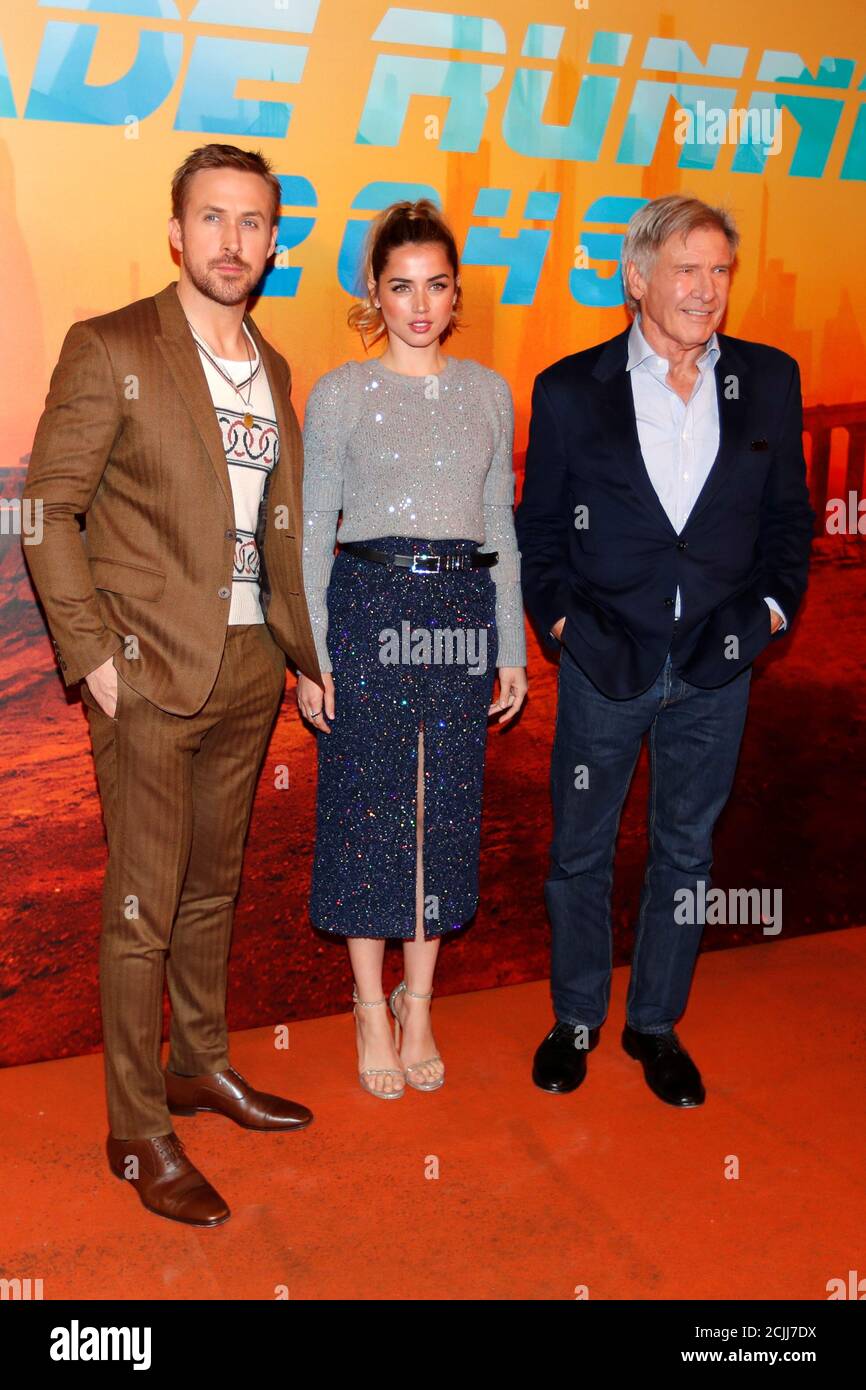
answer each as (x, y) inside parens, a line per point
(406, 649)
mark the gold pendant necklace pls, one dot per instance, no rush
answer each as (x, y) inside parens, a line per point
(247, 417)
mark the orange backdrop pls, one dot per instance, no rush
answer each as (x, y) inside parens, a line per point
(538, 133)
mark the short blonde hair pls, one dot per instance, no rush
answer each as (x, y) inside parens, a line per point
(405, 222)
(675, 215)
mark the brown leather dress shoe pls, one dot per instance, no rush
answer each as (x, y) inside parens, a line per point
(228, 1093)
(167, 1183)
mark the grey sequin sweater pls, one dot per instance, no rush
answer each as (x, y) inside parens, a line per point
(423, 456)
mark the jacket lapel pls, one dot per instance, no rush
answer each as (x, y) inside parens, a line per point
(178, 347)
(620, 424)
(285, 476)
(273, 382)
(732, 393)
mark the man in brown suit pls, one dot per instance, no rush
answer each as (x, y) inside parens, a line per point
(169, 425)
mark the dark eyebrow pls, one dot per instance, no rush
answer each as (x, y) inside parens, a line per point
(404, 279)
(252, 212)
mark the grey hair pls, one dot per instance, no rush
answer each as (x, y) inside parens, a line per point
(651, 225)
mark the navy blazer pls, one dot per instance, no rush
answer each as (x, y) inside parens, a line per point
(748, 534)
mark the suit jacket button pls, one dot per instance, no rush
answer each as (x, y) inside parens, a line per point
(669, 603)
(224, 592)
(230, 535)
(682, 545)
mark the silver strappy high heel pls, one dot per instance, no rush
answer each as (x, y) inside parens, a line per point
(413, 1066)
(377, 1071)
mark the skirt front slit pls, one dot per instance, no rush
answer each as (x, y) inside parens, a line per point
(382, 625)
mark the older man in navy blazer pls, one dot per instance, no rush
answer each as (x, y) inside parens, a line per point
(664, 531)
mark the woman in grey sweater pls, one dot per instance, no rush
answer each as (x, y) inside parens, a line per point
(412, 619)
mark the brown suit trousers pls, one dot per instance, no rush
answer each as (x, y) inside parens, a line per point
(176, 796)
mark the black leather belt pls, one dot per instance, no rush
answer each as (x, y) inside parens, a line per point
(423, 563)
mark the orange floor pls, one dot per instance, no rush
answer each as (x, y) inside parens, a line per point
(536, 1195)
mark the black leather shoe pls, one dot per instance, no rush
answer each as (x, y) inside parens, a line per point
(559, 1065)
(669, 1070)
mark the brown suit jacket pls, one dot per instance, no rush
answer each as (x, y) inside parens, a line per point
(129, 437)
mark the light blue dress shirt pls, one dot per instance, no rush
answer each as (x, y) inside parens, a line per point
(679, 439)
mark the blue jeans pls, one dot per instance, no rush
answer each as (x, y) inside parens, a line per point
(694, 742)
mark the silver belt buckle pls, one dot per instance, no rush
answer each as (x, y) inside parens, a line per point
(414, 568)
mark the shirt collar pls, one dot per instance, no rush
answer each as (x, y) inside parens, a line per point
(639, 351)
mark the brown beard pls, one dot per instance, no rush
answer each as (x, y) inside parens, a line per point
(212, 284)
